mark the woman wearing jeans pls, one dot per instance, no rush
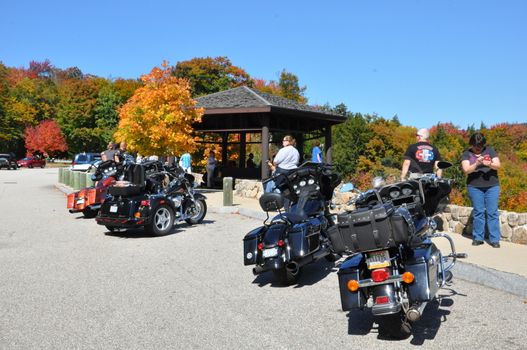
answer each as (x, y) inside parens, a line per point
(481, 164)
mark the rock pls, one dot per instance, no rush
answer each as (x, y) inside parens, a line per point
(464, 219)
(506, 231)
(458, 228)
(522, 219)
(512, 219)
(447, 216)
(455, 213)
(519, 235)
(465, 211)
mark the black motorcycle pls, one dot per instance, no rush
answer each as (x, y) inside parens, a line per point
(295, 237)
(152, 196)
(395, 269)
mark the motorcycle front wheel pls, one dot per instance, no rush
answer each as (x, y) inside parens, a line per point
(198, 212)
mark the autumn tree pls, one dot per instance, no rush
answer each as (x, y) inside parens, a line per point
(286, 87)
(158, 118)
(45, 138)
(208, 75)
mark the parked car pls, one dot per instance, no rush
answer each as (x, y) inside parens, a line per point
(8, 161)
(32, 162)
(83, 161)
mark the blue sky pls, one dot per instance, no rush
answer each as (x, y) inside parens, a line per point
(426, 61)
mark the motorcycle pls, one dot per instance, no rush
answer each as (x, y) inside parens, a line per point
(295, 237)
(88, 200)
(152, 196)
(394, 268)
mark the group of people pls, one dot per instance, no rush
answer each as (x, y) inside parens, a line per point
(480, 163)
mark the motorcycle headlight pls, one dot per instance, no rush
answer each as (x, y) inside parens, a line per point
(302, 183)
(311, 181)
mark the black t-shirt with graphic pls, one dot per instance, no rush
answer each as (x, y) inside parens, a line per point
(422, 156)
(484, 176)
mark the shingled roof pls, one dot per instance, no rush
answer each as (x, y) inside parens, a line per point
(244, 99)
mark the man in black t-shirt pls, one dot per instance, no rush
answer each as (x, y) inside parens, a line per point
(421, 157)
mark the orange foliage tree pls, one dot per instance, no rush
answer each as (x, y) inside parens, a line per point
(45, 138)
(158, 118)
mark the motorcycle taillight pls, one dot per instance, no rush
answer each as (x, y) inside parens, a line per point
(380, 275)
(382, 300)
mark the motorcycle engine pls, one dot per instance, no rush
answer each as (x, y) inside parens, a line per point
(177, 200)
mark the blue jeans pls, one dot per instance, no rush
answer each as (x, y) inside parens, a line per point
(485, 199)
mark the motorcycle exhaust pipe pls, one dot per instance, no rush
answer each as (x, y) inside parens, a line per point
(415, 312)
(293, 267)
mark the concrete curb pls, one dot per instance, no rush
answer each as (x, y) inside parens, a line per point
(500, 280)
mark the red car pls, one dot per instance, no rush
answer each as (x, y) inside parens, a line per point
(31, 162)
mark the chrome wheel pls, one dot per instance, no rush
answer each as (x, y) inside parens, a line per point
(162, 219)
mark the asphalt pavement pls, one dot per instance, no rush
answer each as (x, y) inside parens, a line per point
(67, 283)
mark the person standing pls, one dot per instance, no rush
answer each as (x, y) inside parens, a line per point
(316, 153)
(122, 155)
(285, 161)
(211, 165)
(185, 162)
(110, 152)
(481, 163)
(421, 157)
(250, 161)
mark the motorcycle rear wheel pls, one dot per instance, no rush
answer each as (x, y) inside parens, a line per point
(394, 326)
(161, 222)
(286, 276)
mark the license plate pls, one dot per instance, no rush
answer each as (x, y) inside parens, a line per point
(113, 209)
(269, 253)
(80, 201)
(378, 259)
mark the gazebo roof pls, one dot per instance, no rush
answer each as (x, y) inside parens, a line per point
(247, 100)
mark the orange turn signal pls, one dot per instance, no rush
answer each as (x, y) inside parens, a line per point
(137, 215)
(353, 285)
(408, 277)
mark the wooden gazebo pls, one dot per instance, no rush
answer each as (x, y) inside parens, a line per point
(245, 110)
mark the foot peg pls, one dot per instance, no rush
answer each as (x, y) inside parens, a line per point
(458, 255)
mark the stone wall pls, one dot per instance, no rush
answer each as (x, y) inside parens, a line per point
(454, 219)
(459, 219)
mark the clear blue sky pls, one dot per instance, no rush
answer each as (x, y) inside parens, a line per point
(427, 61)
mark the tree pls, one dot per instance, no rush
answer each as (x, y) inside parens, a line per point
(208, 75)
(45, 138)
(158, 118)
(289, 87)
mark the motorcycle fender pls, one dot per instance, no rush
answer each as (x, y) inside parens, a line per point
(199, 196)
(250, 243)
(424, 264)
(351, 269)
(274, 263)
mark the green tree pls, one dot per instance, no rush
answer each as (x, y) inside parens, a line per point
(208, 75)
(289, 87)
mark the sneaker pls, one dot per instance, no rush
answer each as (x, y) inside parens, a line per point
(476, 242)
(495, 244)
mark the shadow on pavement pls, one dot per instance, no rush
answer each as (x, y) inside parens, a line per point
(362, 322)
(311, 273)
(139, 233)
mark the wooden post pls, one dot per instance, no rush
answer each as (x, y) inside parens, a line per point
(328, 144)
(224, 140)
(265, 151)
(243, 151)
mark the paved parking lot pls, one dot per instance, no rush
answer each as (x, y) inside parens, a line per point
(67, 284)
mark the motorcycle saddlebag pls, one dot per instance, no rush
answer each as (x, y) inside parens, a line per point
(367, 229)
(350, 270)
(250, 246)
(403, 227)
(424, 264)
(304, 238)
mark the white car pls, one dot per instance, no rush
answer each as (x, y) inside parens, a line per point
(83, 161)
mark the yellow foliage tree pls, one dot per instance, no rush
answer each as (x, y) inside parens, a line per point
(158, 118)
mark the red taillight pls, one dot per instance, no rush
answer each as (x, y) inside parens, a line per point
(380, 275)
(382, 300)
(280, 243)
(260, 246)
(145, 202)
